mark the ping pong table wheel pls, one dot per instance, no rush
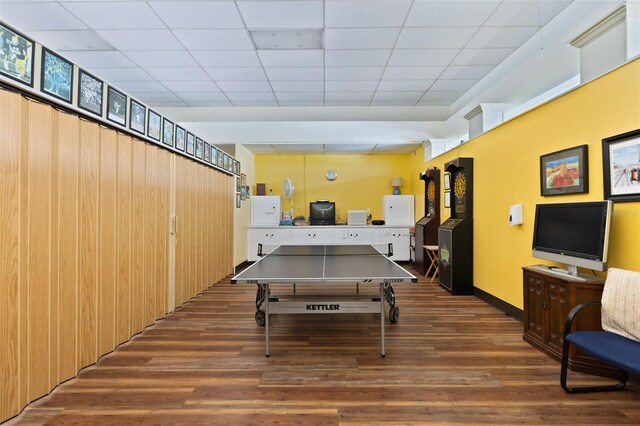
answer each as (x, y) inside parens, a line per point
(260, 318)
(394, 314)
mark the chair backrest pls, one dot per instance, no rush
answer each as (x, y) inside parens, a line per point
(621, 303)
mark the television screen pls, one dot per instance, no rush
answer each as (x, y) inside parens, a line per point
(322, 213)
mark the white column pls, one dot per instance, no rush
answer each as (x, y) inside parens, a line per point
(485, 117)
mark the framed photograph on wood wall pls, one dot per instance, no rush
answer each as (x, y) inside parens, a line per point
(57, 76)
(447, 200)
(137, 116)
(565, 172)
(90, 93)
(214, 156)
(167, 132)
(116, 106)
(153, 130)
(191, 143)
(207, 152)
(199, 147)
(621, 163)
(447, 181)
(238, 200)
(181, 136)
(17, 55)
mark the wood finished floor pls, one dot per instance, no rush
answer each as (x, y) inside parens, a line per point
(449, 360)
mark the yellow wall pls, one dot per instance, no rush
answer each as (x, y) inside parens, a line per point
(506, 172)
(361, 183)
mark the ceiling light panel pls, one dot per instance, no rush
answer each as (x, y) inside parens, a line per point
(356, 58)
(226, 58)
(435, 38)
(345, 14)
(447, 13)
(214, 39)
(299, 73)
(501, 37)
(39, 16)
(236, 74)
(282, 14)
(360, 38)
(113, 16)
(422, 57)
(287, 39)
(204, 15)
(162, 58)
(291, 58)
(141, 39)
(353, 73)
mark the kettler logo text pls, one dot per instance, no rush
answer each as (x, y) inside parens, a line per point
(312, 307)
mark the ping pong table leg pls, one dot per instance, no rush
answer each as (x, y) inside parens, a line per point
(382, 319)
(266, 324)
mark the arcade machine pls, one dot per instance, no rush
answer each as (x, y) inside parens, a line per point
(427, 227)
(455, 236)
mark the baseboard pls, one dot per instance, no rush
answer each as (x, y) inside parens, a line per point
(500, 304)
(241, 266)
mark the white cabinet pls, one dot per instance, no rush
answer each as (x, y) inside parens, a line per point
(398, 210)
(399, 237)
(270, 238)
(360, 235)
(311, 235)
(265, 210)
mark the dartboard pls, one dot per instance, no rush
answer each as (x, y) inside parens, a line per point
(460, 184)
(431, 191)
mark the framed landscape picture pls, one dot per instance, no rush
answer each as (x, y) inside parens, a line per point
(621, 163)
(199, 147)
(155, 122)
(181, 136)
(220, 158)
(56, 76)
(564, 172)
(191, 143)
(90, 93)
(16, 55)
(214, 155)
(137, 116)
(207, 152)
(167, 132)
(116, 106)
(226, 162)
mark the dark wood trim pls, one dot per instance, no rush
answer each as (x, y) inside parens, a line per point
(500, 304)
(242, 265)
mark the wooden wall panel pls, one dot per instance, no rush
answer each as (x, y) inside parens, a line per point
(162, 234)
(107, 232)
(54, 284)
(200, 230)
(150, 256)
(137, 236)
(67, 246)
(9, 254)
(88, 234)
(193, 231)
(179, 278)
(123, 220)
(23, 256)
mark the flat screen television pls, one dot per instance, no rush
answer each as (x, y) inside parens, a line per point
(322, 213)
(576, 234)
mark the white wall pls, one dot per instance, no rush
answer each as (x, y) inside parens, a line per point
(242, 216)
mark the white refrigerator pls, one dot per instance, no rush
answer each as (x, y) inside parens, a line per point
(265, 210)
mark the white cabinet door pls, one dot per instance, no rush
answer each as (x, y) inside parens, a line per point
(270, 238)
(399, 237)
(353, 236)
(398, 209)
(312, 235)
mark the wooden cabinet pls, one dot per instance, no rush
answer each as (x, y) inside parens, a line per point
(548, 298)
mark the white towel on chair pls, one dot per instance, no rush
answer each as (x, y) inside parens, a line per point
(621, 303)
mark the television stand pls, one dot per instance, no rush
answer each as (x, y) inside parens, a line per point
(570, 273)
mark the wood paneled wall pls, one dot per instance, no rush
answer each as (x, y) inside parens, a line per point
(85, 226)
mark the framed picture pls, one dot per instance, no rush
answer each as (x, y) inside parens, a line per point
(226, 162)
(57, 76)
(447, 181)
(207, 152)
(564, 172)
(181, 136)
(237, 200)
(90, 93)
(214, 156)
(116, 106)
(243, 177)
(137, 116)
(239, 170)
(167, 132)
(621, 163)
(199, 147)
(17, 55)
(153, 130)
(447, 200)
(243, 193)
(246, 191)
(238, 184)
(191, 143)
(220, 158)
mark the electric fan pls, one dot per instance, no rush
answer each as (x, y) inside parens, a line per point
(287, 190)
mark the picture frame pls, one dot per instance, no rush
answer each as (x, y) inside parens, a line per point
(238, 200)
(90, 90)
(243, 193)
(621, 166)
(214, 155)
(565, 172)
(137, 116)
(18, 55)
(168, 132)
(247, 190)
(207, 152)
(116, 106)
(191, 143)
(226, 162)
(447, 181)
(239, 169)
(199, 148)
(56, 77)
(220, 159)
(238, 184)
(243, 179)
(155, 124)
(447, 200)
(181, 137)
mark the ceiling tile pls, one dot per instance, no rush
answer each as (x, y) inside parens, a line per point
(209, 104)
(73, 40)
(245, 86)
(435, 38)
(168, 104)
(141, 39)
(453, 85)
(549, 9)
(192, 86)
(298, 86)
(352, 148)
(447, 13)
(39, 16)
(123, 74)
(98, 58)
(360, 38)
(353, 73)
(255, 104)
(482, 56)
(247, 74)
(301, 73)
(348, 96)
(450, 95)
(412, 73)
(523, 13)
(397, 96)
(141, 86)
(351, 86)
(501, 36)
(422, 57)
(434, 103)
(198, 14)
(250, 96)
(162, 58)
(201, 96)
(300, 103)
(291, 58)
(377, 13)
(228, 58)
(282, 14)
(469, 72)
(358, 58)
(113, 16)
(393, 103)
(178, 74)
(214, 39)
(260, 148)
(404, 85)
(300, 96)
(293, 148)
(346, 103)
(155, 97)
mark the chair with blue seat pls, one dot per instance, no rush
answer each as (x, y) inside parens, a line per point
(619, 343)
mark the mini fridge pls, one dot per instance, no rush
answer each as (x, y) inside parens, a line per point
(265, 210)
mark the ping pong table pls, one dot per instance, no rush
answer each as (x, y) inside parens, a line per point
(324, 264)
